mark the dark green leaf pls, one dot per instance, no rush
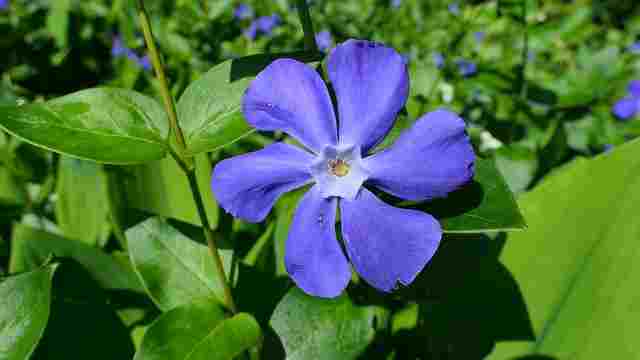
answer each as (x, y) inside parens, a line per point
(315, 328)
(578, 263)
(82, 206)
(102, 124)
(160, 187)
(31, 247)
(174, 269)
(486, 204)
(24, 312)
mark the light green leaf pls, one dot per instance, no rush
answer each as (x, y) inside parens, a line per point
(486, 204)
(174, 269)
(82, 207)
(199, 330)
(102, 124)
(24, 312)
(160, 187)
(519, 166)
(11, 193)
(31, 247)
(578, 263)
(209, 110)
(314, 328)
(58, 21)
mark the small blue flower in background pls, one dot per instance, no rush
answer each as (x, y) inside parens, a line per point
(479, 36)
(531, 56)
(242, 12)
(4, 4)
(629, 106)
(118, 49)
(324, 40)
(466, 68)
(144, 62)
(386, 245)
(635, 48)
(454, 8)
(263, 24)
(438, 59)
(396, 3)
(607, 147)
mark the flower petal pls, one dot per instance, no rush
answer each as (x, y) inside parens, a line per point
(387, 244)
(248, 185)
(431, 159)
(313, 256)
(371, 84)
(290, 96)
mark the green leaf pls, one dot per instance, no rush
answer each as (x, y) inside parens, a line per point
(82, 207)
(229, 339)
(58, 21)
(102, 124)
(578, 263)
(209, 110)
(486, 204)
(161, 188)
(174, 269)
(11, 193)
(314, 328)
(31, 247)
(24, 312)
(519, 166)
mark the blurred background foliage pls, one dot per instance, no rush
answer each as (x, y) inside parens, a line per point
(538, 83)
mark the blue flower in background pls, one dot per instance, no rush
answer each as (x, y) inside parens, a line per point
(243, 11)
(454, 8)
(396, 3)
(479, 36)
(324, 40)
(438, 59)
(629, 106)
(118, 49)
(635, 48)
(607, 147)
(4, 4)
(263, 24)
(466, 68)
(386, 245)
(144, 62)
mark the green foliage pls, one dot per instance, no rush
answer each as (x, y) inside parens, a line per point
(24, 312)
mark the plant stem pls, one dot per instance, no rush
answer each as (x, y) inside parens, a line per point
(307, 26)
(186, 163)
(211, 241)
(160, 74)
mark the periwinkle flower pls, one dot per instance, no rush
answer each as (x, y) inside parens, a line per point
(144, 62)
(324, 40)
(396, 3)
(438, 59)
(467, 68)
(454, 8)
(634, 88)
(4, 4)
(635, 48)
(243, 11)
(628, 107)
(386, 245)
(118, 49)
(479, 36)
(263, 24)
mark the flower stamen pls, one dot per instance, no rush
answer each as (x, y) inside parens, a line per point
(338, 167)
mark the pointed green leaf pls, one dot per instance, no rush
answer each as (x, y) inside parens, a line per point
(578, 263)
(174, 269)
(102, 124)
(24, 312)
(82, 207)
(31, 247)
(315, 328)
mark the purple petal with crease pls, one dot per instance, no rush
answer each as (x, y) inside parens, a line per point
(431, 159)
(386, 244)
(313, 256)
(371, 84)
(290, 96)
(248, 185)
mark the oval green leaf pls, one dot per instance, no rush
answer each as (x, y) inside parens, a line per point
(24, 313)
(106, 125)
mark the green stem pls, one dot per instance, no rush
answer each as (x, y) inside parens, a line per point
(185, 163)
(211, 241)
(307, 26)
(154, 55)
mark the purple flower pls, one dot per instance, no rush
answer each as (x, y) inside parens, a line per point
(324, 40)
(634, 88)
(144, 62)
(4, 4)
(479, 36)
(263, 24)
(454, 8)
(385, 244)
(438, 59)
(626, 108)
(242, 12)
(635, 48)
(117, 47)
(396, 3)
(467, 68)
(607, 147)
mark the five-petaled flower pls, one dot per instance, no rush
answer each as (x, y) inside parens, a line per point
(386, 245)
